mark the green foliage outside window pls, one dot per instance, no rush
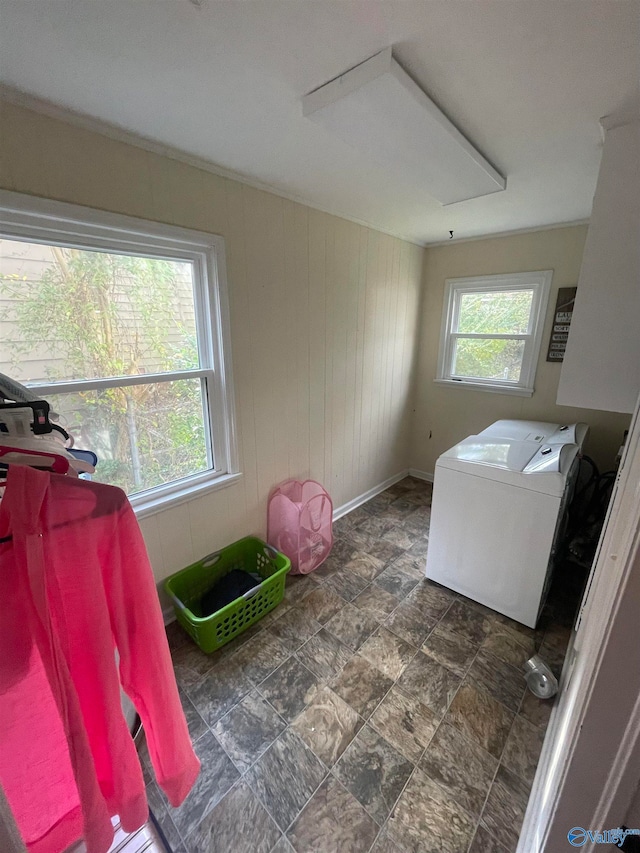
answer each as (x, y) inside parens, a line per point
(100, 315)
(491, 313)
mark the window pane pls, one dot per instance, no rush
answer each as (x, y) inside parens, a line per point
(495, 313)
(488, 359)
(76, 314)
(143, 435)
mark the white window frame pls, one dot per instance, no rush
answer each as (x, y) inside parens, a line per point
(39, 220)
(540, 283)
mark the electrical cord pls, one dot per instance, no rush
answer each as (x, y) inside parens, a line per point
(586, 514)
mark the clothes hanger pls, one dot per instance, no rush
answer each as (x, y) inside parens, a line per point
(58, 464)
(87, 456)
(40, 423)
(26, 425)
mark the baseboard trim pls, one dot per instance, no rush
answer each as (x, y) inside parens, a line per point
(421, 475)
(338, 512)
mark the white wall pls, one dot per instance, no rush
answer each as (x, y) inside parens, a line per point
(602, 364)
(324, 317)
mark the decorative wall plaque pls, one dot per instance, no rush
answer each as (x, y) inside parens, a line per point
(561, 322)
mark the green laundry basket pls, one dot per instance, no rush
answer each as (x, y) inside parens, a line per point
(186, 588)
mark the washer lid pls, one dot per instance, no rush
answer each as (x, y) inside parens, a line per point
(507, 453)
(539, 431)
(526, 464)
(521, 430)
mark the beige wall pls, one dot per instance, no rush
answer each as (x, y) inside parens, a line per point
(323, 323)
(449, 414)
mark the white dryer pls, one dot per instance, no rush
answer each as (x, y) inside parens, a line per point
(499, 501)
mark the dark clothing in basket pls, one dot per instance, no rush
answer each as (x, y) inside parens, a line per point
(227, 589)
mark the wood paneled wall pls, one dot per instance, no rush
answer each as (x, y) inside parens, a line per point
(324, 322)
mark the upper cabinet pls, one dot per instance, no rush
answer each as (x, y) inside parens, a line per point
(601, 368)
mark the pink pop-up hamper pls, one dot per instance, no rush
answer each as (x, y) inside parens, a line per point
(299, 524)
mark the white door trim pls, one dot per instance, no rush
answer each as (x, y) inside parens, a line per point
(588, 769)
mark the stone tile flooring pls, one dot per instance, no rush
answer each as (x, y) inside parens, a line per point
(371, 711)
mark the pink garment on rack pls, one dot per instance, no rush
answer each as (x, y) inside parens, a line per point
(76, 584)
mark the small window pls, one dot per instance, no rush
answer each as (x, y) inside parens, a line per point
(120, 325)
(492, 331)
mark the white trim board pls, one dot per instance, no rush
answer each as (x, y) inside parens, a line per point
(168, 613)
(349, 506)
(421, 475)
(574, 223)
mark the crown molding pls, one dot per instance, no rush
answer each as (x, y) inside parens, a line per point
(86, 122)
(515, 233)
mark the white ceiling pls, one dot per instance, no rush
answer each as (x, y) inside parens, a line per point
(525, 80)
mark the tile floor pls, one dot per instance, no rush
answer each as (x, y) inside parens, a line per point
(371, 711)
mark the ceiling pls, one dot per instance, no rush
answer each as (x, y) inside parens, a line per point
(223, 81)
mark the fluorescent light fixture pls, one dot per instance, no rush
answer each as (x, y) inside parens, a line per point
(378, 109)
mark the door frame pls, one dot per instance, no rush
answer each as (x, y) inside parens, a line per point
(588, 769)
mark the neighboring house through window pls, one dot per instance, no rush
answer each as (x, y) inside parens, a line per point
(492, 331)
(121, 324)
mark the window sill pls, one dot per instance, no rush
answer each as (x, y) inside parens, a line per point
(166, 497)
(492, 389)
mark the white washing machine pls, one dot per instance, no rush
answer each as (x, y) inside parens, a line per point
(499, 502)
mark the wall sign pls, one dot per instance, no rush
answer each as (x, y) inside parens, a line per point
(561, 322)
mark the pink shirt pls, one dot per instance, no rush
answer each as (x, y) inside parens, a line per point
(75, 584)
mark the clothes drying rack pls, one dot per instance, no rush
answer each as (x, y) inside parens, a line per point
(149, 838)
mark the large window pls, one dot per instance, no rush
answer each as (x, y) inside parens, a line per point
(492, 330)
(120, 324)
